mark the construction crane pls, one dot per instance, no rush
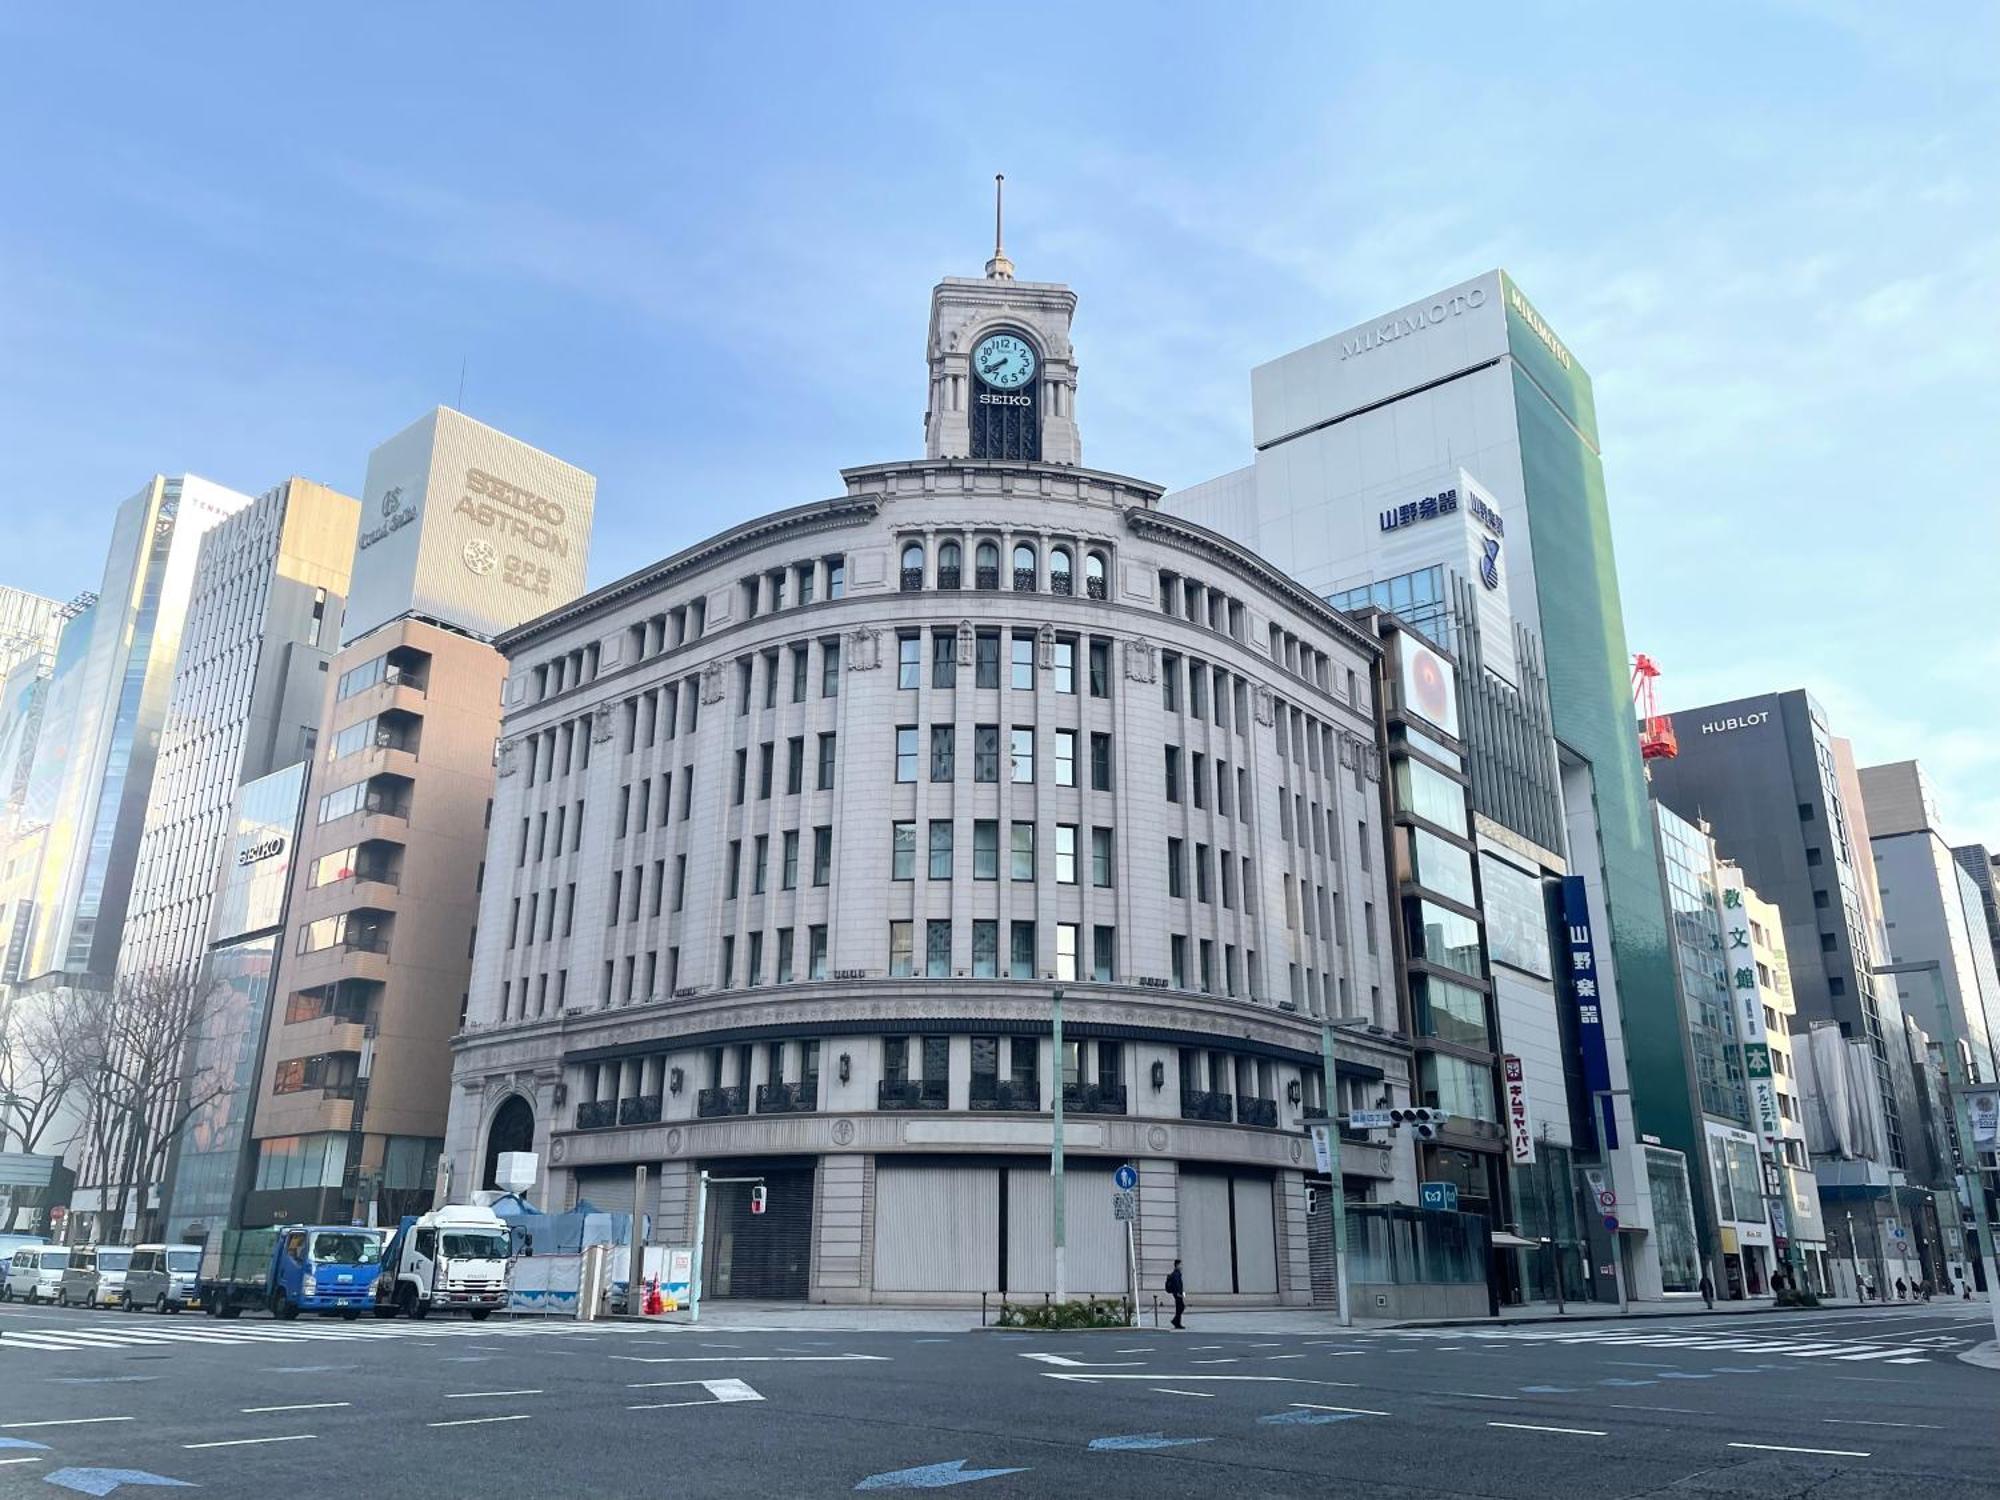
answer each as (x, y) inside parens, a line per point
(1657, 740)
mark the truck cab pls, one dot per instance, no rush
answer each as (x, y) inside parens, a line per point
(325, 1268)
(456, 1259)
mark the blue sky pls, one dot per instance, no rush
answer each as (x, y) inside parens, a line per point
(690, 248)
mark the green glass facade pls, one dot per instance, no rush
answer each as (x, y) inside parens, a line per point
(1590, 697)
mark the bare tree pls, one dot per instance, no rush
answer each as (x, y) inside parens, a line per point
(149, 1084)
(49, 1047)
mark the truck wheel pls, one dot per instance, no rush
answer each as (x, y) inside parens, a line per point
(349, 1314)
(411, 1305)
(287, 1308)
(480, 1314)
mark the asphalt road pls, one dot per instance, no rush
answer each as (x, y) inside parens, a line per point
(1827, 1404)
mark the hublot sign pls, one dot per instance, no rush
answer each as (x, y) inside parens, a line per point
(1746, 721)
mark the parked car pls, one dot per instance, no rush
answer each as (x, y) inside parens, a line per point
(35, 1273)
(163, 1277)
(95, 1276)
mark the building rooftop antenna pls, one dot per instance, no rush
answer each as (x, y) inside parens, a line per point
(999, 268)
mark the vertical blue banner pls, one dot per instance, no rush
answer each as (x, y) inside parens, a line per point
(1589, 1006)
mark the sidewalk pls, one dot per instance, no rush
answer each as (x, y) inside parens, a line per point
(794, 1317)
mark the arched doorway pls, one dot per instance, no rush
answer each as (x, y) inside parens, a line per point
(513, 1129)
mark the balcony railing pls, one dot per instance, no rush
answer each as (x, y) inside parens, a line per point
(366, 942)
(1059, 583)
(1094, 1098)
(986, 578)
(913, 580)
(337, 1090)
(1204, 1104)
(947, 578)
(910, 1093)
(787, 1098)
(595, 1114)
(388, 807)
(1006, 1093)
(1262, 1112)
(1094, 587)
(1024, 580)
(1314, 1112)
(713, 1103)
(640, 1110)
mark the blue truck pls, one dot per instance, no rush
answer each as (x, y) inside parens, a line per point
(328, 1269)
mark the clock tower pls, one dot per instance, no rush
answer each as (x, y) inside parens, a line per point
(1003, 374)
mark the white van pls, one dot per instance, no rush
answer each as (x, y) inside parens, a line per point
(35, 1273)
(96, 1276)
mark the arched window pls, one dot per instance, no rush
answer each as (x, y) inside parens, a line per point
(947, 577)
(987, 557)
(1024, 569)
(1059, 570)
(1093, 575)
(513, 1129)
(913, 567)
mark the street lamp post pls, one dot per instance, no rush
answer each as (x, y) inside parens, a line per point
(1056, 1155)
(1330, 1095)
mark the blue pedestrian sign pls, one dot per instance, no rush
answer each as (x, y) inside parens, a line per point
(1440, 1195)
(1125, 1178)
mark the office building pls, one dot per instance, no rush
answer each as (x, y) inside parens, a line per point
(1932, 911)
(1442, 462)
(464, 531)
(800, 831)
(1980, 865)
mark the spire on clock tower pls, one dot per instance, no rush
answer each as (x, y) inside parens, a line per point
(999, 268)
(1002, 372)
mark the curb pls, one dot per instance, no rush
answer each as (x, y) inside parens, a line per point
(1636, 1314)
(1986, 1355)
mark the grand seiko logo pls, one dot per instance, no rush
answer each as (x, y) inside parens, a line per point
(989, 398)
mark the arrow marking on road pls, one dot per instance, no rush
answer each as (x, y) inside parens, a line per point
(721, 1393)
(1307, 1418)
(931, 1477)
(1087, 1364)
(104, 1481)
(1140, 1442)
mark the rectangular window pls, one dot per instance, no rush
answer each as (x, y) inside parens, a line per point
(944, 658)
(822, 855)
(1101, 864)
(825, 781)
(1176, 869)
(906, 752)
(1021, 864)
(1170, 682)
(944, 751)
(767, 756)
(1021, 952)
(1065, 854)
(1431, 795)
(986, 752)
(1021, 754)
(742, 779)
(829, 669)
(753, 971)
(799, 654)
(680, 883)
(761, 856)
(795, 765)
(728, 963)
(789, 879)
(1066, 938)
(1222, 785)
(1104, 954)
(937, 949)
(1198, 778)
(785, 948)
(940, 867)
(1178, 946)
(1023, 672)
(1065, 665)
(1065, 757)
(986, 850)
(985, 950)
(1100, 762)
(900, 960)
(1201, 867)
(903, 851)
(1173, 754)
(816, 952)
(1100, 669)
(986, 659)
(909, 661)
(734, 868)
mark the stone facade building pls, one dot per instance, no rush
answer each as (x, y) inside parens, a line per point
(797, 833)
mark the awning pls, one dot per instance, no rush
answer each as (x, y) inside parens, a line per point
(1507, 1240)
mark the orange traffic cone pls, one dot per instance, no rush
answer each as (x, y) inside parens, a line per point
(654, 1306)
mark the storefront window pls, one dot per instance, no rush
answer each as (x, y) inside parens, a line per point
(1458, 1087)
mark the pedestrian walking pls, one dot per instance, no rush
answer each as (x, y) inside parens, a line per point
(1174, 1288)
(1707, 1290)
(1902, 1289)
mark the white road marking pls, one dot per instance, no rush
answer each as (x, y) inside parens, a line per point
(1781, 1448)
(1859, 1422)
(1531, 1427)
(1479, 1395)
(1177, 1375)
(1167, 1390)
(768, 1359)
(1229, 1359)
(1686, 1411)
(295, 1437)
(1359, 1411)
(1142, 1349)
(720, 1392)
(1093, 1364)
(476, 1421)
(19, 1460)
(64, 1422)
(476, 1395)
(1284, 1356)
(298, 1406)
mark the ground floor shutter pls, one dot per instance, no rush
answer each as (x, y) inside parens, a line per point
(937, 1228)
(1094, 1241)
(1206, 1262)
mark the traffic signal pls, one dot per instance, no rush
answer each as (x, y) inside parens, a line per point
(1423, 1122)
(758, 1194)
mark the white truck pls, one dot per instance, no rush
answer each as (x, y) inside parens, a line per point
(454, 1259)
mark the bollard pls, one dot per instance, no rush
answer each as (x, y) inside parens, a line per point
(982, 1309)
(1156, 1309)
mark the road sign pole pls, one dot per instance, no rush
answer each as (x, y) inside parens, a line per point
(1330, 1093)
(700, 1238)
(1056, 1154)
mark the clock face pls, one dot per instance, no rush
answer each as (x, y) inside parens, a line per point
(1004, 361)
